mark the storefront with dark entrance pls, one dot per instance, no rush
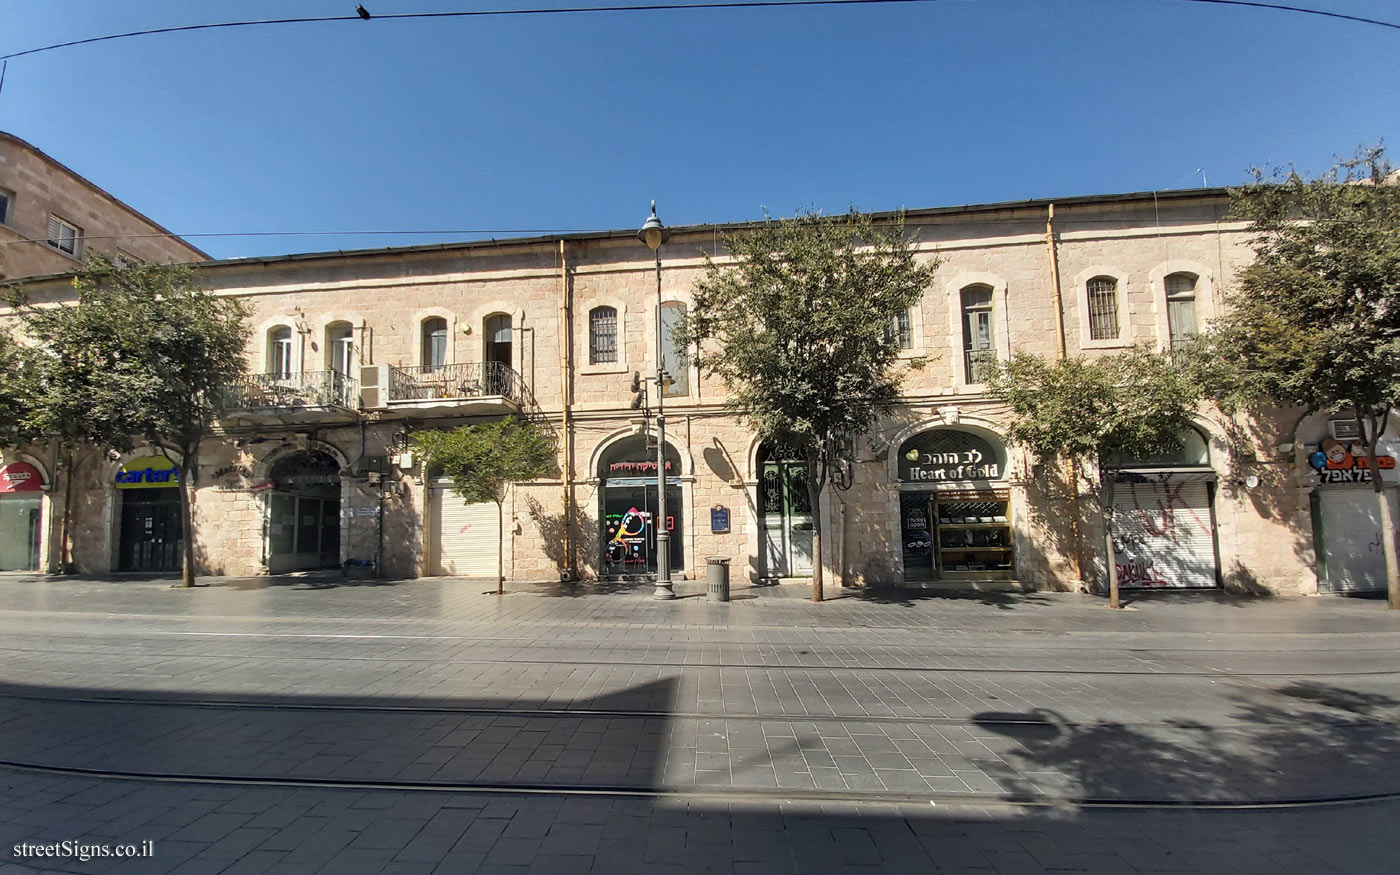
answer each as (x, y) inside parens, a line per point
(149, 529)
(785, 513)
(627, 489)
(21, 516)
(955, 507)
(303, 513)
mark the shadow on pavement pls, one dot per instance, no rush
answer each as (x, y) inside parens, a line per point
(908, 597)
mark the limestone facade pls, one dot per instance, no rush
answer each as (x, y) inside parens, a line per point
(305, 306)
(35, 188)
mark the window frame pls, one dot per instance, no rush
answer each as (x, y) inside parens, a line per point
(597, 354)
(341, 348)
(428, 332)
(683, 378)
(1176, 341)
(1123, 287)
(281, 351)
(76, 236)
(986, 312)
(7, 206)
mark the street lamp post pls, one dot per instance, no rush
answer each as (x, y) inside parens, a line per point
(653, 234)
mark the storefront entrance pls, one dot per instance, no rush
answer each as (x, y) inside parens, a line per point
(1345, 509)
(628, 509)
(303, 513)
(786, 511)
(955, 516)
(1164, 519)
(149, 492)
(21, 516)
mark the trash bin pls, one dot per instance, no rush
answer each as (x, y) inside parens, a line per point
(717, 578)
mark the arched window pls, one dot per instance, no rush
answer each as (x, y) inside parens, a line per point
(498, 337)
(1181, 309)
(279, 351)
(434, 343)
(1103, 308)
(602, 335)
(978, 337)
(340, 348)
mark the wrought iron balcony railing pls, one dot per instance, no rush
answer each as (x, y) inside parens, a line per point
(979, 364)
(448, 382)
(307, 389)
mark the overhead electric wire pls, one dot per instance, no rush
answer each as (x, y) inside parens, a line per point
(647, 7)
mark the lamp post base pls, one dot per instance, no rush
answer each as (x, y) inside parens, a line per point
(664, 591)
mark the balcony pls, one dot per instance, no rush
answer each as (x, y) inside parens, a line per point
(463, 389)
(311, 396)
(978, 364)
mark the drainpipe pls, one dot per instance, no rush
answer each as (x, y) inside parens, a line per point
(566, 372)
(1061, 347)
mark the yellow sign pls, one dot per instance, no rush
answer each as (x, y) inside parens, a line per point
(148, 472)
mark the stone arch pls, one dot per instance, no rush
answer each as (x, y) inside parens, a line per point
(974, 423)
(601, 449)
(263, 469)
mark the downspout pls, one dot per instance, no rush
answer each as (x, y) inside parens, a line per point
(566, 373)
(1060, 346)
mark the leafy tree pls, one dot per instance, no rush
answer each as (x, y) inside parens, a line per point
(1315, 319)
(143, 353)
(484, 460)
(1099, 411)
(17, 390)
(798, 325)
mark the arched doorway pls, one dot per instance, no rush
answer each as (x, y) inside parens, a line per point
(303, 513)
(955, 507)
(627, 508)
(1164, 518)
(785, 510)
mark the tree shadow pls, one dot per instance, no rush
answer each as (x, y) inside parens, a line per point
(909, 597)
(553, 537)
(1298, 742)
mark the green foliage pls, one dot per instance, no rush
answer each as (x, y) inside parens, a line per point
(1315, 320)
(18, 388)
(483, 459)
(142, 353)
(1131, 405)
(798, 327)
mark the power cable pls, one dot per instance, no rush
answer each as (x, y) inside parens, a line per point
(649, 7)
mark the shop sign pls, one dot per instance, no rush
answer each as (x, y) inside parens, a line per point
(233, 478)
(20, 477)
(967, 465)
(148, 472)
(1335, 462)
(950, 456)
(642, 467)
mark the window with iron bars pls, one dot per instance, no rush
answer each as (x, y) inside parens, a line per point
(1103, 308)
(602, 335)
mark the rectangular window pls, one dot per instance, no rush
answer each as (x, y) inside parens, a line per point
(602, 336)
(1181, 311)
(903, 330)
(673, 358)
(977, 333)
(63, 236)
(5, 198)
(1103, 309)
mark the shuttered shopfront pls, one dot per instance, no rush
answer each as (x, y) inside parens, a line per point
(1164, 534)
(462, 537)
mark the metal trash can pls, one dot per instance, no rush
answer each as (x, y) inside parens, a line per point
(717, 578)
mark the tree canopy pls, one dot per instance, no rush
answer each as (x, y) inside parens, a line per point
(802, 324)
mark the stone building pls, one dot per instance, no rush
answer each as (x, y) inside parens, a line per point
(355, 351)
(50, 217)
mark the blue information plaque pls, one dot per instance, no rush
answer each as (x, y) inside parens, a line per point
(719, 519)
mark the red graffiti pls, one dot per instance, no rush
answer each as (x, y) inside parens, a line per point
(1167, 508)
(1139, 573)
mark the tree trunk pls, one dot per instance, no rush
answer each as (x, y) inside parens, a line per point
(500, 547)
(1110, 555)
(189, 463)
(65, 558)
(814, 497)
(1372, 437)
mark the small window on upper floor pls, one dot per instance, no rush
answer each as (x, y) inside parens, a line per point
(674, 362)
(602, 335)
(1103, 308)
(6, 199)
(1181, 310)
(434, 343)
(279, 351)
(340, 348)
(901, 329)
(978, 334)
(65, 236)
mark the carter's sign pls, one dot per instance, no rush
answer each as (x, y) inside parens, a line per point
(148, 472)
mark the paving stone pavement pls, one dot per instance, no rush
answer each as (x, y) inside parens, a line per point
(426, 726)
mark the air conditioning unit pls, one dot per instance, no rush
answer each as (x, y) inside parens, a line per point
(1343, 429)
(374, 386)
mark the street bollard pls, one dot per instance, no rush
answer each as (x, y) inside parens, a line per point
(717, 578)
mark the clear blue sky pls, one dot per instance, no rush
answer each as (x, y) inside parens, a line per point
(576, 122)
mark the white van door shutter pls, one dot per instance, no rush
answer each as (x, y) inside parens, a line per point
(463, 536)
(1351, 547)
(1164, 535)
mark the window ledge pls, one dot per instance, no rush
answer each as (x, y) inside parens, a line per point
(605, 368)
